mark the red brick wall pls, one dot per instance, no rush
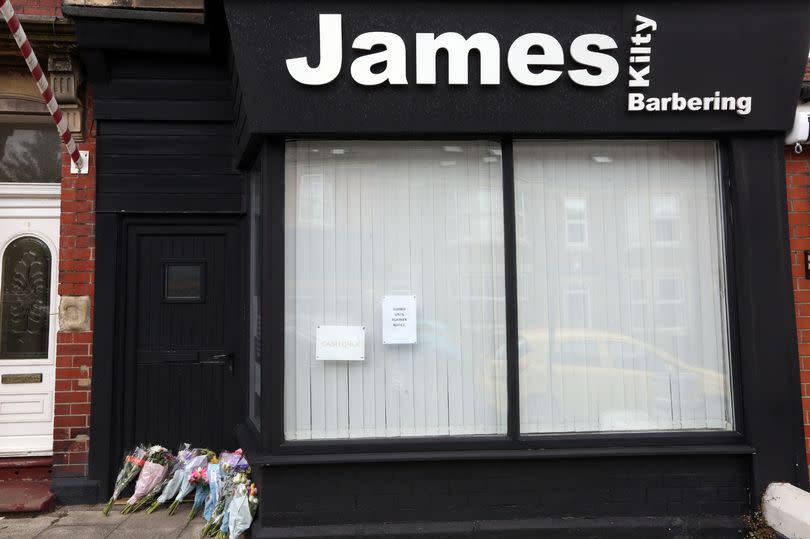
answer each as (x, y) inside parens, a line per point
(74, 350)
(50, 8)
(798, 194)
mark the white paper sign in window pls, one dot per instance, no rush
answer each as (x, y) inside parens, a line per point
(340, 343)
(399, 319)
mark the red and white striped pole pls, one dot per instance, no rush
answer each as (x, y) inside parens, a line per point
(42, 82)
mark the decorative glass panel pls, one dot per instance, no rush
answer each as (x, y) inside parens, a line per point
(26, 293)
(29, 153)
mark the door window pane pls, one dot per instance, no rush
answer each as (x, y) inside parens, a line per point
(26, 299)
(184, 281)
(366, 220)
(29, 153)
(628, 331)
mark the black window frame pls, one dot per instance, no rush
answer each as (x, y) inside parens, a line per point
(277, 449)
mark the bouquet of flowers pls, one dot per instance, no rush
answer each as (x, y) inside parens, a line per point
(213, 488)
(200, 459)
(242, 509)
(253, 499)
(154, 470)
(153, 494)
(199, 477)
(233, 468)
(133, 462)
(240, 482)
(169, 491)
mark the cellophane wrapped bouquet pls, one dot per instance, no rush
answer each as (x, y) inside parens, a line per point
(234, 470)
(169, 491)
(154, 470)
(133, 462)
(199, 460)
(148, 500)
(242, 509)
(199, 477)
(213, 488)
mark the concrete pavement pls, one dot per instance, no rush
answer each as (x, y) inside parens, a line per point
(87, 522)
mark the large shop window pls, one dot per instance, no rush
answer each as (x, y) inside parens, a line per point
(622, 315)
(365, 220)
(621, 287)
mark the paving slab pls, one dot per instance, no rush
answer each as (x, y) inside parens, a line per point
(75, 532)
(24, 528)
(193, 529)
(143, 534)
(89, 517)
(158, 524)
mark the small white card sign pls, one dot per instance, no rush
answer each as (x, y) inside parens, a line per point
(399, 319)
(340, 343)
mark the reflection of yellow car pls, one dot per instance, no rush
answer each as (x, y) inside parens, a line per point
(594, 380)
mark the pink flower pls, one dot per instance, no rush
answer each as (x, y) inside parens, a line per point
(198, 475)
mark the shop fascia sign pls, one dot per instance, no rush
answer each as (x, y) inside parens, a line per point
(527, 67)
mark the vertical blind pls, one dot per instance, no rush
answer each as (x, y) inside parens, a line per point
(621, 288)
(370, 219)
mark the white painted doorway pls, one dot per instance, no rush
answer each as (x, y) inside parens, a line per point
(29, 250)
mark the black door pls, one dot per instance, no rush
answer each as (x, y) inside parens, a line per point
(184, 322)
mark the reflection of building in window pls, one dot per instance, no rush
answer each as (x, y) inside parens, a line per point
(632, 219)
(29, 152)
(314, 200)
(670, 303)
(666, 219)
(637, 303)
(520, 216)
(576, 308)
(576, 222)
(487, 218)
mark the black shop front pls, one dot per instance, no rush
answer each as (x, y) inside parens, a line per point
(453, 268)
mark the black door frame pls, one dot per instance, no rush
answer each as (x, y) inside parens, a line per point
(112, 396)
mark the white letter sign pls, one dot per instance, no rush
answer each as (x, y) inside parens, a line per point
(331, 48)
(340, 343)
(399, 319)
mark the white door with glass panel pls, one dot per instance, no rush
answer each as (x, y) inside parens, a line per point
(29, 242)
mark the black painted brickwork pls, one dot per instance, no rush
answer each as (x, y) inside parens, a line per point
(491, 490)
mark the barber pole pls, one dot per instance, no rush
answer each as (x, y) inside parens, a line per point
(42, 82)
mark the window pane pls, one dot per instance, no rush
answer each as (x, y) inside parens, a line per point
(26, 299)
(183, 281)
(629, 330)
(366, 220)
(255, 352)
(29, 153)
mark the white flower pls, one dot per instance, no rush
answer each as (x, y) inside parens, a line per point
(157, 449)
